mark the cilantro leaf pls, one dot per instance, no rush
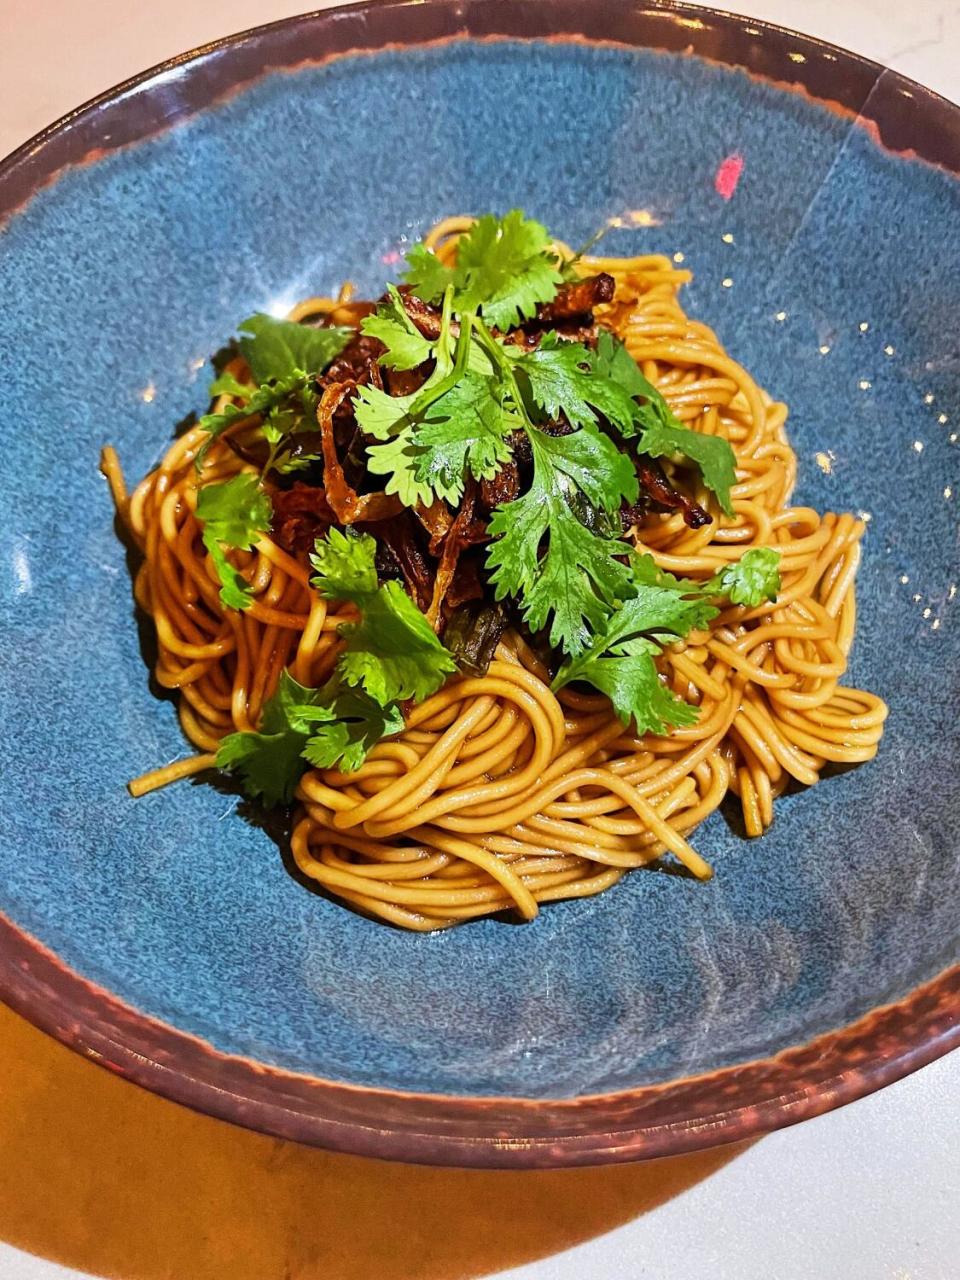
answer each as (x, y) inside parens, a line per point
(631, 682)
(262, 400)
(662, 609)
(286, 464)
(324, 726)
(278, 423)
(394, 420)
(345, 565)
(406, 345)
(384, 417)
(426, 274)
(380, 415)
(612, 360)
(359, 724)
(697, 596)
(270, 762)
(659, 613)
(751, 579)
(505, 267)
(646, 572)
(227, 384)
(235, 591)
(392, 653)
(620, 660)
(464, 430)
(293, 706)
(555, 371)
(562, 380)
(712, 454)
(429, 436)
(269, 765)
(662, 432)
(279, 349)
(398, 459)
(588, 462)
(545, 555)
(235, 513)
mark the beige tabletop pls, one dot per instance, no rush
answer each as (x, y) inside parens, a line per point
(98, 1177)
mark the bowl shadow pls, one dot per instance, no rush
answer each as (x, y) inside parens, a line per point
(107, 1178)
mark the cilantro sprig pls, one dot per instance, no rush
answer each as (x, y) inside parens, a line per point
(282, 356)
(505, 268)
(252, 401)
(752, 579)
(552, 548)
(662, 610)
(611, 381)
(279, 349)
(565, 378)
(392, 653)
(233, 514)
(325, 727)
(565, 573)
(406, 346)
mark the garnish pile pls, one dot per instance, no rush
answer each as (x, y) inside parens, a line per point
(473, 457)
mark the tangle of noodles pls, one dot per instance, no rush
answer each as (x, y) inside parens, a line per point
(498, 793)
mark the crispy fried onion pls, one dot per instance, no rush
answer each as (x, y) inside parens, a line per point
(349, 506)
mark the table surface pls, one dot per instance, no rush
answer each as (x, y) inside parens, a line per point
(100, 1178)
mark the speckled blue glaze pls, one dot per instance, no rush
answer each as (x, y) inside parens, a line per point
(129, 272)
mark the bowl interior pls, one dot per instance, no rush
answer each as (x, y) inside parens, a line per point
(832, 272)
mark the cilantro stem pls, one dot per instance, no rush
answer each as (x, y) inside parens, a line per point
(272, 457)
(446, 316)
(495, 351)
(432, 393)
(589, 244)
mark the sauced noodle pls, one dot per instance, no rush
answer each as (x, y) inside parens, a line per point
(499, 793)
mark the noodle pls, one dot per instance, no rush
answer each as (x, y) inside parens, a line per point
(499, 793)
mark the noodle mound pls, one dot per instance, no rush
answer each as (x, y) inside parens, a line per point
(499, 793)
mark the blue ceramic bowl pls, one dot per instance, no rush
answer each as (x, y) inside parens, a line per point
(163, 936)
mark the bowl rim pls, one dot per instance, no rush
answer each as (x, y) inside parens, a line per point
(676, 1116)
